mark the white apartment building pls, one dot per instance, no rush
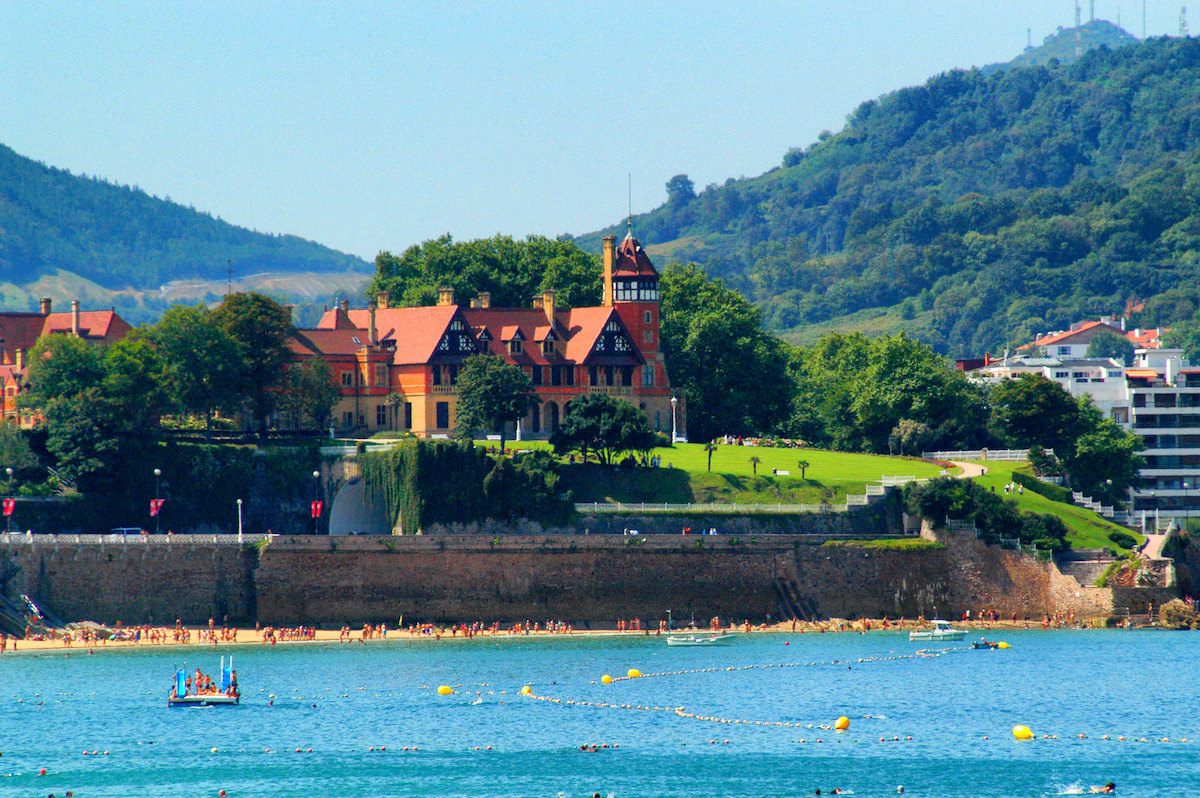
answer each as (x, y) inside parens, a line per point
(1157, 398)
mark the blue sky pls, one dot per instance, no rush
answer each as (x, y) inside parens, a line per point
(373, 126)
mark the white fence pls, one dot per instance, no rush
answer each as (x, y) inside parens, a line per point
(1095, 506)
(1000, 455)
(654, 507)
(134, 539)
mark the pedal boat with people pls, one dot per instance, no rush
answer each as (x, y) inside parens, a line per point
(223, 694)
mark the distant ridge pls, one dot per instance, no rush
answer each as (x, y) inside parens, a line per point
(54, 224)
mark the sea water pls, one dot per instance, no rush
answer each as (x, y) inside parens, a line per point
(937, 725)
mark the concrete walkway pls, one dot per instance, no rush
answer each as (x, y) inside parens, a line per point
(969, 470)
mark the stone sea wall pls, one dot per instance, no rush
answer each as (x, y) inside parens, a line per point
(588, 579)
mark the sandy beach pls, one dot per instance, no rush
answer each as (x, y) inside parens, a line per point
(433, 634)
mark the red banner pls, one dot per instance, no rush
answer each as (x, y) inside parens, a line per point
(156, 506)
(316, 509)
(9, 506)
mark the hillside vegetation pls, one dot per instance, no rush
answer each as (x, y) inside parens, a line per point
(119, 237)
(978, 209)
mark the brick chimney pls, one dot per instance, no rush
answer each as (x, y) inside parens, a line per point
(485, 299)
(75, 318)
(381, 300)
(20, 359)
(548, 304)
(45, 306)
(344, 305)
(371, 323)
(445, 296)
(610, 256)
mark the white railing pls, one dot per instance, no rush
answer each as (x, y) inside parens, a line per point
(1000, 455)
(132, 539)
(896, 482)
(662, 507)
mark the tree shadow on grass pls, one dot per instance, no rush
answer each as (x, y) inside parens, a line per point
(598, 483)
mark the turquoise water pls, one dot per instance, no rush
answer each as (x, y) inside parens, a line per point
(341, 700)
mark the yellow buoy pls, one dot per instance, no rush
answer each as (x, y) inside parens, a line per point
(1022, 733)
(1002, 644)
(634, 673)
(606, 679)
(445, 690)
(842, 723)
(526, 690)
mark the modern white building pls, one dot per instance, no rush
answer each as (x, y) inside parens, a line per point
(1157, 398)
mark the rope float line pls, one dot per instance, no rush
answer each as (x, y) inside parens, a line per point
(683, 713)
(635, 674)
(841, 725)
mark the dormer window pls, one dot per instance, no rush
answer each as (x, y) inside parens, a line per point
(548, 347)
(513, 338)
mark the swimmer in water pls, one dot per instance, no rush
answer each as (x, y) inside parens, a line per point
(1110, 787)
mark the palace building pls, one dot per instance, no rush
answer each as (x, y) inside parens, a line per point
(20, 331)
(398, 367)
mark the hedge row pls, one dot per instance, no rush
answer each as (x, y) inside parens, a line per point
(1052, 492)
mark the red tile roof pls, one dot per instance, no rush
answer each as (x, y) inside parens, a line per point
(327, 342)
(632, 260)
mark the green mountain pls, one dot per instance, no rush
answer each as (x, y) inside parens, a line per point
(978, 209)
(59, 230)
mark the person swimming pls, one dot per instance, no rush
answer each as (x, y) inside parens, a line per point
(1110, 787)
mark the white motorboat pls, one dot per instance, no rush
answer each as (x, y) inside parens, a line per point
(942, 630)
(698, 639)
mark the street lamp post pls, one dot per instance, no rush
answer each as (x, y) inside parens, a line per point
(8, 489)
(157, 506)
(316, 497)
(239, 522)
(674, 434)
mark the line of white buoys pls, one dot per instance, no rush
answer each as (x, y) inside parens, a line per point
(634, 673)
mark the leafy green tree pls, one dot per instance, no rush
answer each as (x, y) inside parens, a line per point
(596, 423)
(1105, 462)
(98, 407)
(732, 371)
(1186, 336)
(803, 465)
(17, 454)
(680, 190)
(853, 393)
(198, 359)
(1110, 344)
(512, 271)
(260, 327)
(309, 394)
(1035, 411)
(491, 393)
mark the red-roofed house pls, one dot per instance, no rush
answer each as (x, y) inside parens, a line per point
(398, 367)
(20, 331)
(1074, 342)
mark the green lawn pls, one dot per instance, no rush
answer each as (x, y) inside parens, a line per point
(829, 477)
(1087, 530)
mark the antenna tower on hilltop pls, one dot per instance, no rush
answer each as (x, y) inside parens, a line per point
(1183, 26)
(1091, 10)
(1078, 23)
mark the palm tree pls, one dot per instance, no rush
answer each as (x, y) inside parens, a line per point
(709, 448)
(803, 466)
(754, 461)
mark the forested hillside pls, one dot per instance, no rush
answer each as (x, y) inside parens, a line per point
(120, 237)
(975, 210)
